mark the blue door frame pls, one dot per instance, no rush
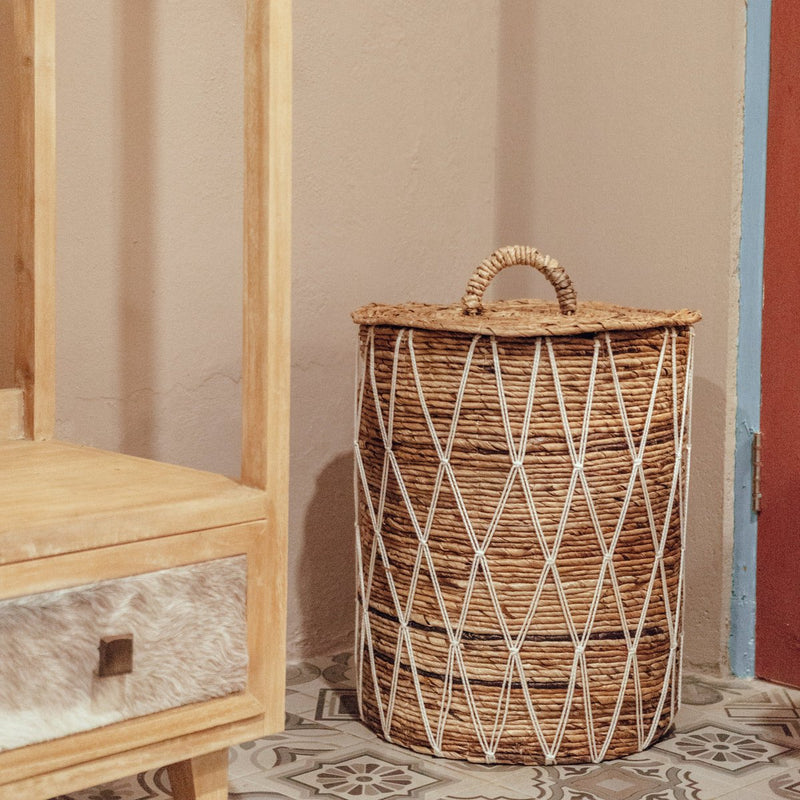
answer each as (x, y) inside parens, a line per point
(748, 374)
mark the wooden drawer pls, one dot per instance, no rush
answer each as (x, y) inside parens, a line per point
(189, 644)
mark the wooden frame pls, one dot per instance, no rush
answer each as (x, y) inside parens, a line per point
(35, 346)
(81, 568)
(70, 515)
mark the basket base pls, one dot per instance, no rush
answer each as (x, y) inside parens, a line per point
(523, 753)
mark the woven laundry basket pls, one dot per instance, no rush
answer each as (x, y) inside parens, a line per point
(521, 470)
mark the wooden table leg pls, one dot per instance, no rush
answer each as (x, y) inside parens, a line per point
(201, 778)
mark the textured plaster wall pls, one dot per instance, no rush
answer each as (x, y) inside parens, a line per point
(426, 134)
(395, 122)
(149, 227)
(634, 161)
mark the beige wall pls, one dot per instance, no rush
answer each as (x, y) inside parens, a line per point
(149, 227)
(634, 157)
(395, 119)
(426, 134)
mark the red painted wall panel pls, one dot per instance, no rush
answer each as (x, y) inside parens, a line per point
(778, 572)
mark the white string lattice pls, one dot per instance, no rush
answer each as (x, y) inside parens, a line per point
(379, 688)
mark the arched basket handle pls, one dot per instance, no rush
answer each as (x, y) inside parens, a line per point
(472, 301)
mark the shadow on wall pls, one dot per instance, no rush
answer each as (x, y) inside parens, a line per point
(326, 582)
(706, 612)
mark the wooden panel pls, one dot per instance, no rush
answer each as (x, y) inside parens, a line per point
(202, 778)
(267, 302)
(11, 414)
(60, 497)
(34, 22)
(102, 770)
(136, 558)
(267, 248)
(778, 559)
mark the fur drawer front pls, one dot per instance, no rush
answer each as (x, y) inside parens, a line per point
(189, 644)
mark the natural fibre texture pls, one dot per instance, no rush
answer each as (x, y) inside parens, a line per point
(514, 318)
(190, 644)
(521, 523)
(566, 317)
(472, 301)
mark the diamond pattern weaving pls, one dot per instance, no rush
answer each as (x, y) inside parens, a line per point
(521, 521)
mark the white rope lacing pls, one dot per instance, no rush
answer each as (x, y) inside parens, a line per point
(637, 456)
(489, 735)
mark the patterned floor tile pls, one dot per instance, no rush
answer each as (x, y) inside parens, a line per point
(466, 778)
(475, 789)
(625, 779)
(152, 785)
(302, 739)
(338, 706)
(704, 691)
(774, 712)
(336, 671)
(478, 792)
(359, 771)
(747, 793)
(484, 773)
(301, 703)
(689, 717)
(732, 739)
(244, 789)
(786, 785)
(301, 674)
(726, 750)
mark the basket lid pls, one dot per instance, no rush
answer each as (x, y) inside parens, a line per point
(566, 317)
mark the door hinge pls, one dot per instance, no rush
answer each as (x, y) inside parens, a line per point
(756, 471)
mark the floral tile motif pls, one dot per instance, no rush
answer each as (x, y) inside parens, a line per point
(364, 773)
(734, 740)
(723, 749)
(304, 741)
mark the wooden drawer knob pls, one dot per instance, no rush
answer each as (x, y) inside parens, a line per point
(116, 655)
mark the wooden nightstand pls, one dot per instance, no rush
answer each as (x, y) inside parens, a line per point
(142, 605)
